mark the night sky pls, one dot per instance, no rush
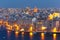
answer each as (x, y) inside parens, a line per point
(31, 3)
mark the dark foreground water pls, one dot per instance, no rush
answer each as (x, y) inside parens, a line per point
(4, 35)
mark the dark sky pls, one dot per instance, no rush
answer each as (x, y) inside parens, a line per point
(31, 3)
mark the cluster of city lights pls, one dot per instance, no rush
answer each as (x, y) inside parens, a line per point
(54, 15)
(17, 28)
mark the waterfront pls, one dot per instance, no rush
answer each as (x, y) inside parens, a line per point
(5, 35)
(29, 24)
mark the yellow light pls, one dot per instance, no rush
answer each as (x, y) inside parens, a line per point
(42, 36)
(31, 29)
(50, 17)
(16, 27)
(54, 36)
(55, 30)
(31, 33)
(55, 14)
(39, 23)
(43, 28)
(16, 32)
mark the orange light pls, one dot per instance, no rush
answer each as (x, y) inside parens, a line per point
(6, 23)
(16, 27)
(22, 33)
(35, 9)
(42, 36)
(1, 21)
(9, 27)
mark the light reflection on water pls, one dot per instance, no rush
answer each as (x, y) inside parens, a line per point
(31, 36)
(16, 33)
(8, 33)
(54, 36)
(42, 36)
(22, 33)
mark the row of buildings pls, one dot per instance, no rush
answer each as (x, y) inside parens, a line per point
(46, 17)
